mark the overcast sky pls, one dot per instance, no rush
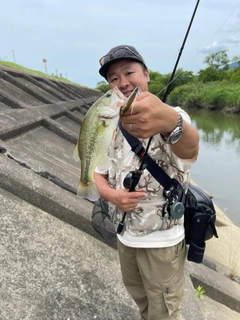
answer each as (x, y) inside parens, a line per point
(73, 34)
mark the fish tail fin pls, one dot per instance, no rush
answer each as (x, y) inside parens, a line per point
(88, 191)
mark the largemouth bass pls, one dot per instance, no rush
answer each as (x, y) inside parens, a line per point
(96, 133)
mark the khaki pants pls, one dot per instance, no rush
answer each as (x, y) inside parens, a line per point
(155, 279)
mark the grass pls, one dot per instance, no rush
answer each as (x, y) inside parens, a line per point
(35, 72)
(229, 255)
(234, 255)
(200, 292)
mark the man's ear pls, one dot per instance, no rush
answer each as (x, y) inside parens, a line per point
(146, 73)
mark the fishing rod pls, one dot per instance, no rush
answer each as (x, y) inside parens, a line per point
(133, 177)
(176, 64)
(180, 53)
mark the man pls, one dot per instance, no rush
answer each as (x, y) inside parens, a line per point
(151, 248)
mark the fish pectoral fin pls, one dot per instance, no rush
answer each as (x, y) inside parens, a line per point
(102, 127)
(88, 191)
(76, 154)
(105, 123)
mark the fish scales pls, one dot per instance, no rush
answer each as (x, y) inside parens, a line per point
(91, 141)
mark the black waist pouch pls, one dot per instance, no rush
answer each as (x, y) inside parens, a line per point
(199, 222)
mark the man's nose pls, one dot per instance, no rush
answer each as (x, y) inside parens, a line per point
(123, 82)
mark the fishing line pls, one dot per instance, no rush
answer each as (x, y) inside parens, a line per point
(45, 174)
(199, 50)
(7, 55)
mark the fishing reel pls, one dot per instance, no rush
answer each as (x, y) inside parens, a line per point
(173, 207)
(131, 179)
(175, 210)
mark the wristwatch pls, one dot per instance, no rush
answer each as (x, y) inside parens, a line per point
(176, 134)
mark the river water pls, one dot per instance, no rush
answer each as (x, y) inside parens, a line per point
(217, 169)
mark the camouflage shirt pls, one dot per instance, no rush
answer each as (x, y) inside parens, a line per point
(147, 216)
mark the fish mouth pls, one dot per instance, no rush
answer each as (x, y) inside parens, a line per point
(128, 93)
(108, 117)
(129, 101)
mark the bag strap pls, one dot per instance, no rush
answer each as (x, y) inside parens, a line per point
(157, 172)
(172, 189)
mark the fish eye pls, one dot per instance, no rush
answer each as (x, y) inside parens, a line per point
(108, 95)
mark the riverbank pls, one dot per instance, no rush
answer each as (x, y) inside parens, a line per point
(210, 94)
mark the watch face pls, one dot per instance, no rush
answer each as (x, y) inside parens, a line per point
(175, 135)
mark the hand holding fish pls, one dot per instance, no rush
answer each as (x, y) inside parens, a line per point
(149, 116)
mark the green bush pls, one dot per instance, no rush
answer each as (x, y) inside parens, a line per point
(213, 95)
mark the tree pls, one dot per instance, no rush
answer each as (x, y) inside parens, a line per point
(237, 60)
(210, 74)
(218, 60)
(235, 76)
(181, 77)
(159, 82)
(102, 86)
(156, 82)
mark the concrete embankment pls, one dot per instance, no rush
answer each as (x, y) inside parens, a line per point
(53, 264)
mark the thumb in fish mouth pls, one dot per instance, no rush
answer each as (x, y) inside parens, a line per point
(128, 102)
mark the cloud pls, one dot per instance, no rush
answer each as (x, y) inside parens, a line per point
(232, 32)
(232, 39)
(214, 47)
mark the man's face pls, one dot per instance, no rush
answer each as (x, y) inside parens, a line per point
(126, 75)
